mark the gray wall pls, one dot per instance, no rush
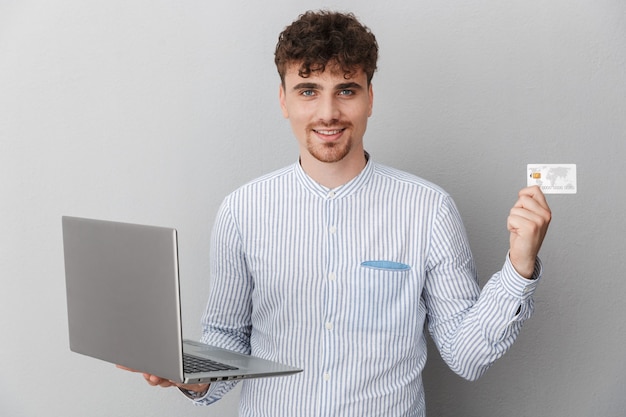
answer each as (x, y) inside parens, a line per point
(152, 112)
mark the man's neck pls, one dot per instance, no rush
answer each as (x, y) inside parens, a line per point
(333, 174)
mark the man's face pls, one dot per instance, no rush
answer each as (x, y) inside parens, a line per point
(328, 112)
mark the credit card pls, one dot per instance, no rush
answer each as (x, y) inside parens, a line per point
(553, 178)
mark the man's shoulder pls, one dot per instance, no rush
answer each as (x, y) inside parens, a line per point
(406, 179)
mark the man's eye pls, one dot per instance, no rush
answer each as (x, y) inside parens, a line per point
(346, 92)
(307, 93)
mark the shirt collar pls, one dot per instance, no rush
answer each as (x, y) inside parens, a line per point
(337, 192)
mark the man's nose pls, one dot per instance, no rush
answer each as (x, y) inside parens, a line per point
(328, 109)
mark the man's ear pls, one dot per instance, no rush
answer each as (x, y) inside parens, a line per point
(371, 94)
(281, 98)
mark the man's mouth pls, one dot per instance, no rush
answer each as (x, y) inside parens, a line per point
(329, 135)
(328, 132)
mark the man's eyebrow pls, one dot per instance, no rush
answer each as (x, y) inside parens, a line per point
(307, 86)
(347, 86)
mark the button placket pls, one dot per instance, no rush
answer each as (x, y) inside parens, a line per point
(327, 323)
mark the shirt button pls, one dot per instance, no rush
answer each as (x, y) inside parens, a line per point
(331, 194)
(329, 325)
(332, 229)
(332, 276)
(326, 376)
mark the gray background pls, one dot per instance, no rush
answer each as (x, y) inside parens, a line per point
(152, 111)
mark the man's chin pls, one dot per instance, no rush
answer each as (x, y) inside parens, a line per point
(330, 153)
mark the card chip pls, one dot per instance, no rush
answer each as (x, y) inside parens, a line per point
(535, 175)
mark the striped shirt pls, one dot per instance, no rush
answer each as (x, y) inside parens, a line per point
(341, 283)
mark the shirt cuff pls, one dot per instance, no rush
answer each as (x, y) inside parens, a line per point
(195, 396)
(518, 286)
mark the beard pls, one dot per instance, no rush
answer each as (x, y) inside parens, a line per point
(330, 151)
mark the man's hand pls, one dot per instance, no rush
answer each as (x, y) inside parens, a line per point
(528, 223)
(156, 381)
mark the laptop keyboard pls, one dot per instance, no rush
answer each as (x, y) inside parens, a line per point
(194, 364)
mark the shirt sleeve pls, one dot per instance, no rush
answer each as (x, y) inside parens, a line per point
(216, 391)
(226, 322)
(471, 328)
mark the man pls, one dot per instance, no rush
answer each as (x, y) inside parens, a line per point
(334, 264)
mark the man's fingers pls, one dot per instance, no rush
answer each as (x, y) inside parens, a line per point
(535, 194)
(532, 205)
(125, 368)
(157, 381)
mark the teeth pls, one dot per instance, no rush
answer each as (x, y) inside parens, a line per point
(329, 132)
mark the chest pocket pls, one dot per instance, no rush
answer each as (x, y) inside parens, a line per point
(384, 293)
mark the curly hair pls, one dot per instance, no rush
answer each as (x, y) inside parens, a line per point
(317, 39)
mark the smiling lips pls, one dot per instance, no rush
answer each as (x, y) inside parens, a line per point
(329, 134)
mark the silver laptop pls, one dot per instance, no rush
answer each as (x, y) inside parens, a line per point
(123, 303)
